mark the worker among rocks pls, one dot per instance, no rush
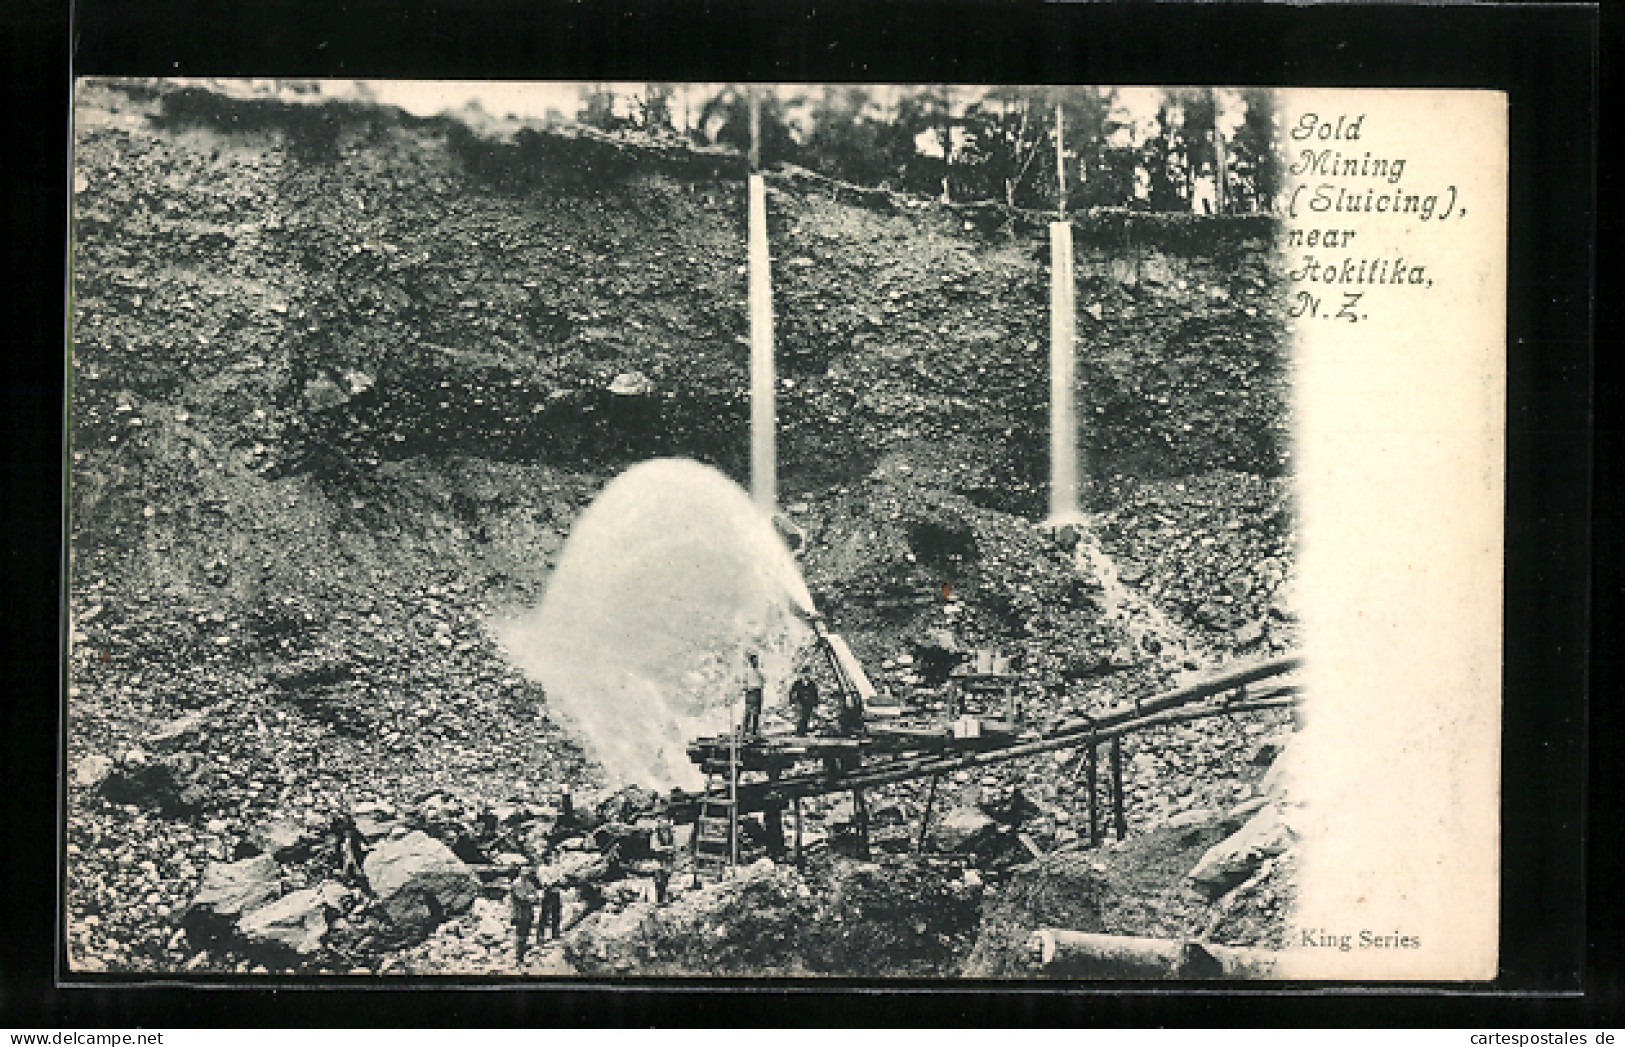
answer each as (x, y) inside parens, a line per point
(804, 700)
(351, 850)
(552, 914)
(527, 891)
(755, 682)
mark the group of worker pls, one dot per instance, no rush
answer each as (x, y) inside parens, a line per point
(803, 702)
(537, 896)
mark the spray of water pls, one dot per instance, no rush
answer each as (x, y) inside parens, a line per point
(666, 580)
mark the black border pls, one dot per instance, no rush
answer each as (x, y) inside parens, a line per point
(1546, 58)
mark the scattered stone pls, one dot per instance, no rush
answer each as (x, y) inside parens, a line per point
(184, 728)
(324, 394)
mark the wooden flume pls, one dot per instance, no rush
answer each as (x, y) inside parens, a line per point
(885, 754)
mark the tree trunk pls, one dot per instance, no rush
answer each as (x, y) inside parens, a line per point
(1077, 954)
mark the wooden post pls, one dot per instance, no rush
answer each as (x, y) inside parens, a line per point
(773, 819)
(1094, 793)
(798, 830)
(861, 809)
(1119, 816)
(925, 819)
(733, 799)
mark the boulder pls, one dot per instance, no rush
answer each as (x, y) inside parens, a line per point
(374, 825)
(282, 839)
(295, 922)
(631, 383)
(1249, 635)
(1232, 860)
(419, 882)
(227, 890)
(183, 729)
(92, 771)
(322, 393)
(962, 830)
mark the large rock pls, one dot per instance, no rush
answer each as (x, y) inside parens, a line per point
(284, 840)
(962, 830)
(631, 383)
(180, 730)
(1232, 860)
(228, 890)
(419, 882)
(92, 771)
(295, 922)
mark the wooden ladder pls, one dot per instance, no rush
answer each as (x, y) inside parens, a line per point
(716, 828)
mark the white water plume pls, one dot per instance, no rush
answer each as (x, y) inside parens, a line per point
(667, 579)
(1141, 620)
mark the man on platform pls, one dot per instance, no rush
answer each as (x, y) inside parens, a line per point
(754, 684)
(804, 700)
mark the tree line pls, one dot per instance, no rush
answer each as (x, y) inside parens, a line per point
(1203, 150)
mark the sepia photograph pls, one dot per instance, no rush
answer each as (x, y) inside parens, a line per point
(600, 530)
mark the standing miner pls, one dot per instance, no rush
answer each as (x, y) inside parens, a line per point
(552, 907)
(526, 893)
(754, 683)
(804, 700)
